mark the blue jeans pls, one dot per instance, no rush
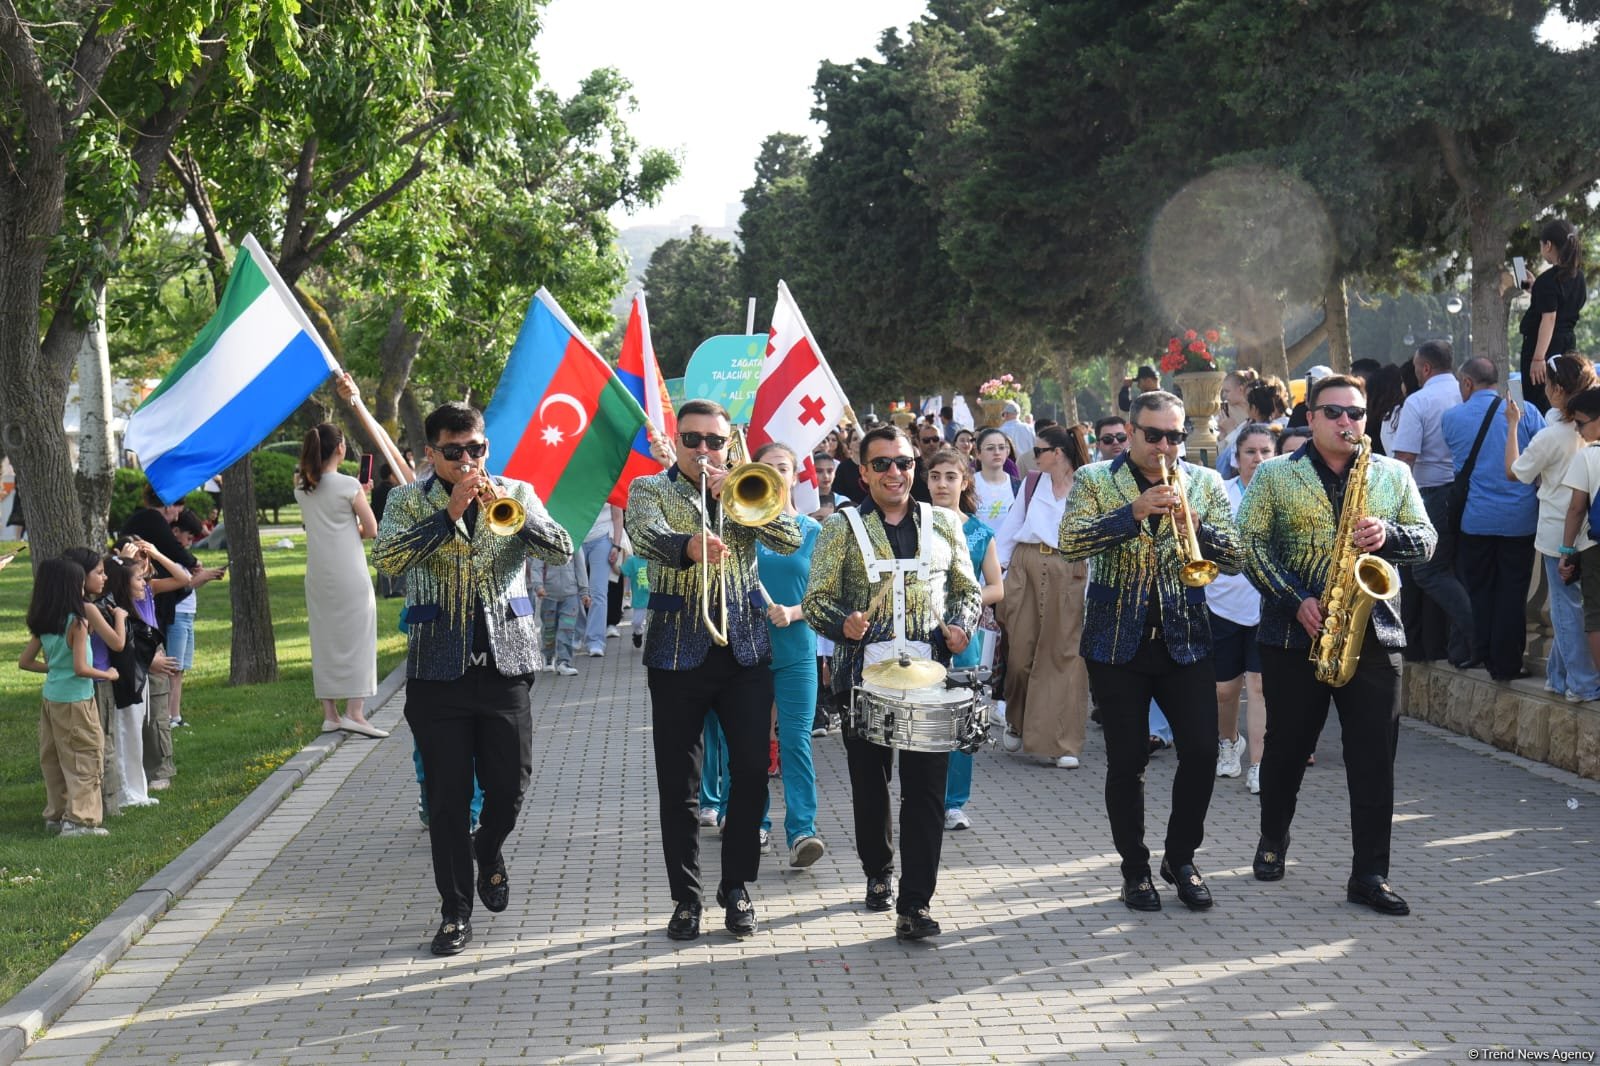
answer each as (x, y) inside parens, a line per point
(1570, 667)
(477, 790)
(597, 555)
(795, 692)
(714, 768)
(1158, 723)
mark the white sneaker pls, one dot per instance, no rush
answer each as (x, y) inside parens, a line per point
(955, 818)
(997, 713)
(611, 631)
(709, 816)
(566, 670)
(766, 839)
(1011, 742)
(1067, 762)
(1229, 753)
(73, 829)
(1253, 779)
(595, 653)
(806, 851)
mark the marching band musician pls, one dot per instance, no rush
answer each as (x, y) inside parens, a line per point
(690, 674)
(1288, 524)
(923, 550)
(472, 652)
(1146, 634)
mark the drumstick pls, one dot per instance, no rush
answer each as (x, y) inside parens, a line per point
(877, 600)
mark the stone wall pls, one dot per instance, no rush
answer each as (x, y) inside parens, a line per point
(1519, 716)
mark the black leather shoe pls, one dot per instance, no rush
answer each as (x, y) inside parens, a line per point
(1140, 894)
(685, 924)
(452, 937)
(493, 888)
(1373, 891)
(880, 894)
(741, 919)
(1192, 890)
(916, 926)
(1268, 864)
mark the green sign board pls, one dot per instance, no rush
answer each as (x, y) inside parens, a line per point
(727, 369)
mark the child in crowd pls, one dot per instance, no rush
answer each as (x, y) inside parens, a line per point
(108, 629)
(179, 636)
(70, 739)
(637, 572)
(130, 586)
(563, 591)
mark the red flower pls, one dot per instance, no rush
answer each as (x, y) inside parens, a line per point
(1196, 347)
(1174, 345)
(1191, 335)
(1213, 336)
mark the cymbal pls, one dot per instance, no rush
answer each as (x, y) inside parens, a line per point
(907, 674)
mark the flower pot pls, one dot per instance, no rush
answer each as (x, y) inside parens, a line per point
(991, 411)
(1202, 399)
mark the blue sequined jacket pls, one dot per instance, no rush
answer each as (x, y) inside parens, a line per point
(1287, 525)
(1128, 565)
(663, 516)
(839, 587)
(444, 568)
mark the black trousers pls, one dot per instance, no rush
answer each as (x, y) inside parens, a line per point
(479, 721)
(741, 698)
(1497, 572)
(1188, 697)
(922, 776)
(1369, 724)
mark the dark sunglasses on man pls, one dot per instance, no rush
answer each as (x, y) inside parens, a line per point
(1173, 437)
(882, 463)
(454, 452)
(714, 441)
(1332, 411)
(1114, 438)
(932, 440)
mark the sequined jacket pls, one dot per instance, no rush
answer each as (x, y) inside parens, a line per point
(663, 516)
(1287, 525)
(1128, 564)
(444, 568)
(839, 587)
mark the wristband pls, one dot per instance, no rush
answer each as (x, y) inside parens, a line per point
(1568, 549)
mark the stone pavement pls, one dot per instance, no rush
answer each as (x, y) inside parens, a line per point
(308, 943)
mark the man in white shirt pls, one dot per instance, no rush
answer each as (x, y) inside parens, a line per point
(1419, 442)
(1020, 435)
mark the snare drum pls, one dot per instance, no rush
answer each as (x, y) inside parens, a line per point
(925, 719)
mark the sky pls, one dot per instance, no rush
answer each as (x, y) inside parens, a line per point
(712, 77)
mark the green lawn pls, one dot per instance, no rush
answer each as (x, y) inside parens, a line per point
(54, 891)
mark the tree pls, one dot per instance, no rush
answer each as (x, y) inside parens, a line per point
(693, 286)
(775, 226)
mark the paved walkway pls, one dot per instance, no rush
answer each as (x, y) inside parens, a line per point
(309, 943)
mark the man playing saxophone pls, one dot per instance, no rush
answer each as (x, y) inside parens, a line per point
(1291, 521)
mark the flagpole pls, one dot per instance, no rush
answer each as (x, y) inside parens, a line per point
(822, 360)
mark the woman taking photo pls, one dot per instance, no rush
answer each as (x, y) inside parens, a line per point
(1558, 295)
(340, 608)
(993, 488)
(950, 481)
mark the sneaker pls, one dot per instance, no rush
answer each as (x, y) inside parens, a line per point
(997, 713)
(159, 784)
(1010, 741)
(709, 816)
(1229, 753)
(1067, 762)
(148, 801)
(52, 825)
(612, 631)
(1573, 697)
(73, 829)
(422, 813)
(806, 850)
(596, 653)
(1253, 779)
(566, 670)
(955, 818)
(766, 839)
(176, 723)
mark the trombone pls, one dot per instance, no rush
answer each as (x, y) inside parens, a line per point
(753, 494)
(1195, 571)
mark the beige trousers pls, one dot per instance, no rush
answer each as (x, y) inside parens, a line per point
(70, 743)
(1047, 684)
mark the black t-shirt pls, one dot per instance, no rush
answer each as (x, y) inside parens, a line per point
(1153, 616)
(1562, 296)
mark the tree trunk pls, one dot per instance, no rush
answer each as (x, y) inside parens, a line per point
(255, 655)
(97, 455)
(1336, 316)
(396, 354)
(1069, 395)
(1487, 243)
(416, 436)
(1259, 333)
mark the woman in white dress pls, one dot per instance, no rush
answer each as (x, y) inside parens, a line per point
(340, 606)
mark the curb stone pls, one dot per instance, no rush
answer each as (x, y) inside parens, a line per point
(52, 992)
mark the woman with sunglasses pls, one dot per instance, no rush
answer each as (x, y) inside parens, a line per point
(993, 488)
(1046, 687)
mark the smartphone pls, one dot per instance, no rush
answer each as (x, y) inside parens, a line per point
(1519, 270)
(366, 469)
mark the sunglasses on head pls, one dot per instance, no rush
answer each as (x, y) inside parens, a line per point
(882, 463)
(715, 441)
(454, 452)
(1332, 411)
(1173, 437)
(1114, 438)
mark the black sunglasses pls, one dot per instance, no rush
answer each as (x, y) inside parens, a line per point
(1114, 438)
(714, 441)
(1040, 451)
(1332, 411)
(882, 463)
(932, 440)
(1173, 437)
(454, 452)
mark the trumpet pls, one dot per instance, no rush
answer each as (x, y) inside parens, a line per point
(504, 515)
(753, 494)
(1195, 571)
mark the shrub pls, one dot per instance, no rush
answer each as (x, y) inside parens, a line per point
(127, 493)
(200, 502)
(274, 474)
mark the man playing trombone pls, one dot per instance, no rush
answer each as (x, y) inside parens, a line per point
(706, 649)
(1153, 543)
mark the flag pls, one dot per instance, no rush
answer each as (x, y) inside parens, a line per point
(253, 364)
(561, 420)
(798, 400)
(640, 375)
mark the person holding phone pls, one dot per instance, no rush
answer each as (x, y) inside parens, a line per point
(1558, 294)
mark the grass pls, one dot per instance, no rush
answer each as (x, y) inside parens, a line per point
(53, 891)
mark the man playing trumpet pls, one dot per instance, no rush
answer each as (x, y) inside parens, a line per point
(696, 576)
(1289, 522)
(1146, 633)
(472, 652)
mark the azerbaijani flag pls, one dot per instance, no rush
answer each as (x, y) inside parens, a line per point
(253, 364)
(641, 376)
(561, 420)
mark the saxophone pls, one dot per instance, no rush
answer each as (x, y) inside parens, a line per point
(1355, 581)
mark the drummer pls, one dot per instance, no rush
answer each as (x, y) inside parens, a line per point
(919, 604)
